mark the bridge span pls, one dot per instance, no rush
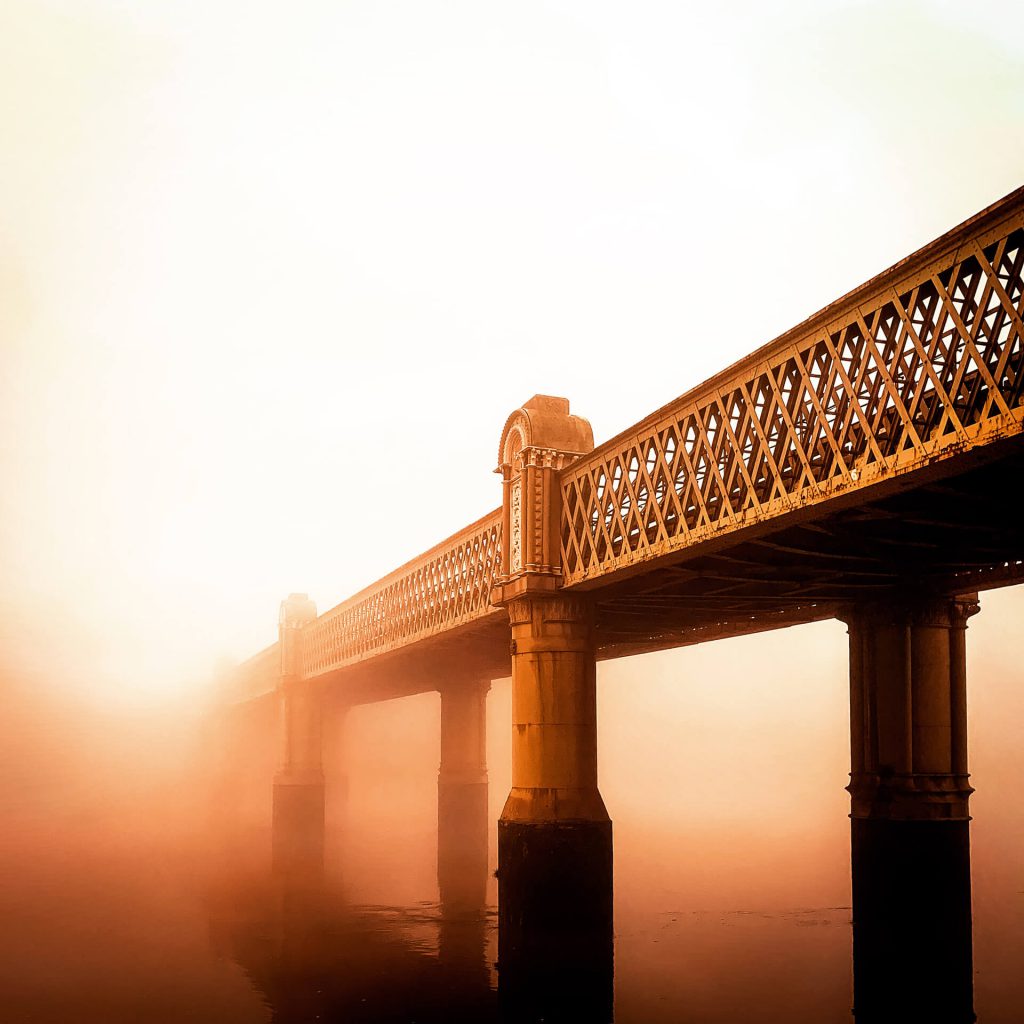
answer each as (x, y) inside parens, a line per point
(864, 465)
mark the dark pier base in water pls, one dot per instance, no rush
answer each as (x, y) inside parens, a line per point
(912, 922)
(555, 937)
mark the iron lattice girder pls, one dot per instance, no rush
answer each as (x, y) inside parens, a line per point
(447, 587)
(921, 364)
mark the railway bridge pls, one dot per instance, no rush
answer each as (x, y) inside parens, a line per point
(864, 465)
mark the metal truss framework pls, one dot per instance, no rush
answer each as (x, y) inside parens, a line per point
(922, 363)
(444, 588)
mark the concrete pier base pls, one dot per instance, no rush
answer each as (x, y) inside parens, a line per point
(556, 942)
(554, 887)
(912, 922)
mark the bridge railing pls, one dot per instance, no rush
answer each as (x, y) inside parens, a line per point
(925, 360)
(445, 587)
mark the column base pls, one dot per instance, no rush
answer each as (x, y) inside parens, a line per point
(555, 938)
(912, 921)
(298, 827)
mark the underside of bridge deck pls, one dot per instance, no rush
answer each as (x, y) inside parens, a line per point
(478, 650)
(952, 534)
(947, 533)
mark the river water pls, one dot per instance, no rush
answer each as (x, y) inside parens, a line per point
(131, 926)
(131, 931)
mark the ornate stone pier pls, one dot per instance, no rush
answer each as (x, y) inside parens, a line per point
(554, 835)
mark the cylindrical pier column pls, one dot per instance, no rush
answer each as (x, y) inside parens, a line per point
(298, 816)
(462, 827)
(909, 811)
(554, 713)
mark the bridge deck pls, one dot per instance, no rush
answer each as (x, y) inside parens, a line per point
(873, 447)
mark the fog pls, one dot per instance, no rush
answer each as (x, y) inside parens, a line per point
(270, 284)
(722, 766)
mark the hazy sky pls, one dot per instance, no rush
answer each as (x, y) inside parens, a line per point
(272, 276)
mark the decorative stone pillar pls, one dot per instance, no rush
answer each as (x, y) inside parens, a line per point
(554, 835)
(298, 817)
(909, 810)
(462, 798)
(554, 715)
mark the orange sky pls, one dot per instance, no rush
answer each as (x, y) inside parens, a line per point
(272, 277)
(272, 284)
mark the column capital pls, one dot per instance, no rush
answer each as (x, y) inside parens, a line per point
(551, 623)
(917, 796)
(922, 610)
(469, 683)
(548, 607)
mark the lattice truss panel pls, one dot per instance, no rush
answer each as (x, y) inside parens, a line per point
(912, 369)
(446, 587)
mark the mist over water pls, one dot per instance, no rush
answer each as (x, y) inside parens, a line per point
(137, 883)
(271, 279)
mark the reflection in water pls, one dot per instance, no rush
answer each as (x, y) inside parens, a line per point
(462, 885)
(313, 955)
(316, 956)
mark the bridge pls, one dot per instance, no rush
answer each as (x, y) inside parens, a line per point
(860, 466)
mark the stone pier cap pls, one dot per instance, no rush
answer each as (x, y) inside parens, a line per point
(539, 440)
(543, 422)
